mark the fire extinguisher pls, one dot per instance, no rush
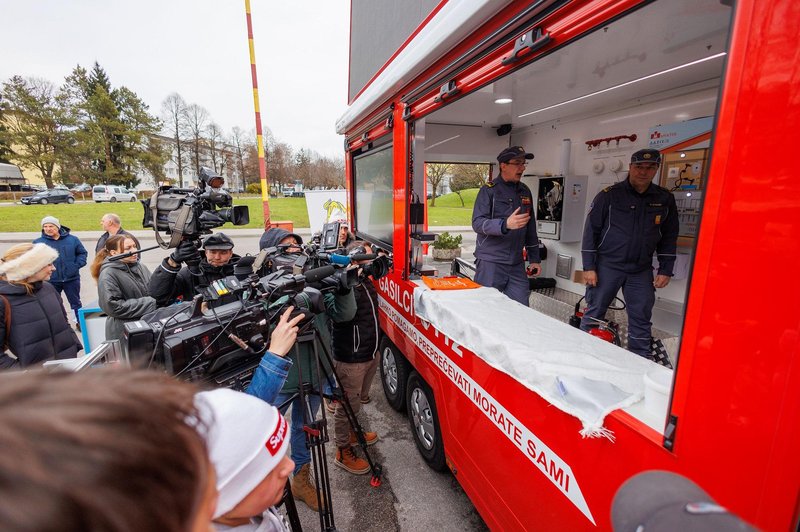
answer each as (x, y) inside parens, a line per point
(605, 330)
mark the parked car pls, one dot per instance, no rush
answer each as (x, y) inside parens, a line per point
(298, 194)
(55, 195)
(85, 187)
(112, 193)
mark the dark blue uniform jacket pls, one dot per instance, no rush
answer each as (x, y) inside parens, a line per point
(624, 229)
(496, 243)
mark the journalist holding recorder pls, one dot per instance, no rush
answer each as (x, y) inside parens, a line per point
(172, 283)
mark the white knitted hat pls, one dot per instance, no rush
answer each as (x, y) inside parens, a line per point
(246, 439)
(30, 262)
(51, 220)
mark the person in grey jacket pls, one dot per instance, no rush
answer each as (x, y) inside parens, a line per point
(122, 285)
(503, 219)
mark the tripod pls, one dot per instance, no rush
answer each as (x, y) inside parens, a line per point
(316, 430)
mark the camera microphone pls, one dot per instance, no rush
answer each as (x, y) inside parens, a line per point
(317, 274)
(335, 258)
(362, 256)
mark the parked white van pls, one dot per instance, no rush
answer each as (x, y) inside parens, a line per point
(112, 193)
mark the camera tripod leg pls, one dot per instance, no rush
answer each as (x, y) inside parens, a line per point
(291, 508)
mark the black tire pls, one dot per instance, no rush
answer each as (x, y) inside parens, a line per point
(113, 199)
(70, 200)
(394, 374)
(133, 199)
(44, 202)
(424, 420)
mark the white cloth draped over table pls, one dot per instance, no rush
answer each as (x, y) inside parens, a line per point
(582, 375)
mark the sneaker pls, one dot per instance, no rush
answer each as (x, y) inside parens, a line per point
(330, 406)
(303, 489)
(365, 399)
(370, 437)
(346, 459)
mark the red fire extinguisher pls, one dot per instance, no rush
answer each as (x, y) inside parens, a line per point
(605, 330)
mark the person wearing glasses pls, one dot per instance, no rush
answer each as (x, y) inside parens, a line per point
(627, 223)
(503, 219)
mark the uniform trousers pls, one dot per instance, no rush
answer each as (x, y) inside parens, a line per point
(640, 295)
(510, 279)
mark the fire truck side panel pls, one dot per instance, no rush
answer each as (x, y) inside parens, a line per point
(736, 397)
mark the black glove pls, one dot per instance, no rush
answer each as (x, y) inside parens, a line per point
(186, 252)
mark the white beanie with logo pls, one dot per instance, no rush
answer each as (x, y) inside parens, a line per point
(246, 438)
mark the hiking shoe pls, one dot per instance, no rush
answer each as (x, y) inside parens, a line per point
(303, 489)
(370, 437)
(346, 459)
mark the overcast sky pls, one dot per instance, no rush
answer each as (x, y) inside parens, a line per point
(197, 48)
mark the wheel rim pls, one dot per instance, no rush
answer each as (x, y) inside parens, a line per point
(422, 416)
(113, 200)
(389, 370)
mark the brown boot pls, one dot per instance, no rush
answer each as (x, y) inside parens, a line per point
(346, 459)
(370, 437)
(303, 489)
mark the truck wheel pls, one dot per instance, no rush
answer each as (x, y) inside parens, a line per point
(394, 374)
(425, 422)
(113, 199)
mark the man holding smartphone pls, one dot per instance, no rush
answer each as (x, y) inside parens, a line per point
(503, 219)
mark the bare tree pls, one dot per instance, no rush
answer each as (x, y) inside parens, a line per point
(173, 111)
(196, 120)
(238, 142)
(436, 173)
(215, 143)
(327, 172)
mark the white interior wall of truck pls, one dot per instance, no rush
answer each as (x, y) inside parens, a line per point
(660, 65)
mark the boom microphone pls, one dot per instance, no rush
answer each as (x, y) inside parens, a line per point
(317, 274)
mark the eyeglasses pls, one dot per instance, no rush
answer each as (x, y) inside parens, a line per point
(517, 164)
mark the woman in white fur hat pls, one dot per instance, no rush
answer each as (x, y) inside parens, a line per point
(33, 324)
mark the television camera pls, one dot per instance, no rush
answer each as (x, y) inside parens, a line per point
(223, 345)
(188, 213)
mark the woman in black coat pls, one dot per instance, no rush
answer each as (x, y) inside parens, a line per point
(33, 323)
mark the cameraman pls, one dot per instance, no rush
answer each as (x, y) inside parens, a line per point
(355, 348)
(171, 283)
(340, 307)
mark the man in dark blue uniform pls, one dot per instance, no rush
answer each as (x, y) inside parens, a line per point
(627, 223)
(504, 221)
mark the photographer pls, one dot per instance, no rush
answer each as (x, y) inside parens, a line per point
(355, 347)
(170, 283)
(340, 307)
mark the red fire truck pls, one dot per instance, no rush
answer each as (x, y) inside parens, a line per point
(583, 84)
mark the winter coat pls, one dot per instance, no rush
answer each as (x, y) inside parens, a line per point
(339, 307)
(169, 285)
(357, 340)
(71, 255)
(39, 327)
(122, 290)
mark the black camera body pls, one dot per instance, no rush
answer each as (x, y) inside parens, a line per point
(222, 346)
(193, 212)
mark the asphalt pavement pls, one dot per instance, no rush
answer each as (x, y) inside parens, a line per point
(411, 496)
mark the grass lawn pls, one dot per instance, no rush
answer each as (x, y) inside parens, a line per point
(86, 216)
(448, 209)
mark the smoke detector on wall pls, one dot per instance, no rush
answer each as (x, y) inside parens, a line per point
(616, 165)
(598, 167)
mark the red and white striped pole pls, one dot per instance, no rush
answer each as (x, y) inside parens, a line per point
(262, 166)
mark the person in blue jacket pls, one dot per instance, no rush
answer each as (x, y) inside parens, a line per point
(71, 258)
(627, 223)
(503, 219)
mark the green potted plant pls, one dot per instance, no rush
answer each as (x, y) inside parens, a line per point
(446, 246)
